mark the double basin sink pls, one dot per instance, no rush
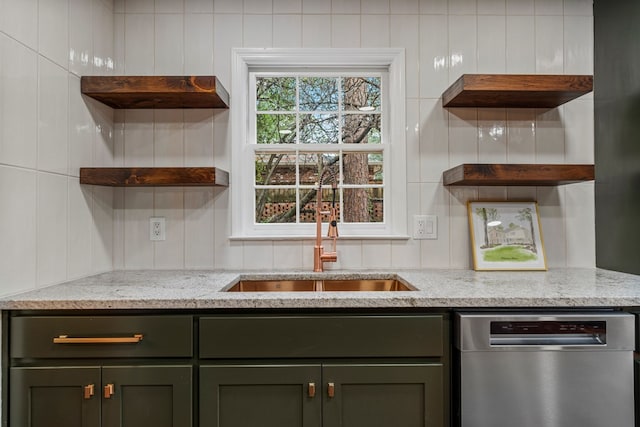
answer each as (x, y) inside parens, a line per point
(323, 285)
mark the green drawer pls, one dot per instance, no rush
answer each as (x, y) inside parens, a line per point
(321, 336)
(117, 336)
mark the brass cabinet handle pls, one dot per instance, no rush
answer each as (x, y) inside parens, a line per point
(312, 389)
(331, 390)
(64, 339)
(108, 391)
(89, 391)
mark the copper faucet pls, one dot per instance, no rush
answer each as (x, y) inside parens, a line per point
(319, 255)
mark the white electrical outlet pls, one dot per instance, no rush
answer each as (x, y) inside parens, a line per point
(157, 228)
(425, 227)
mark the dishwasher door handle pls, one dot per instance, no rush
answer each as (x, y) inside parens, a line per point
(546, 340)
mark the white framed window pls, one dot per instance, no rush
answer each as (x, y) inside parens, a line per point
(300, 116)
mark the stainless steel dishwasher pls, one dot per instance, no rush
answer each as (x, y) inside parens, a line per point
(545, 369)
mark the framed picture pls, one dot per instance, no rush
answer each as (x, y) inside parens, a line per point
(506, 236)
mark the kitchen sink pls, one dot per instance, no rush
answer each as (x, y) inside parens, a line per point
(327, 285)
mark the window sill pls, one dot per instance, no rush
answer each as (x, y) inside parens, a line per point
(308, 237)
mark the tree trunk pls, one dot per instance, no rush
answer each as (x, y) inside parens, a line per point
(356, 165)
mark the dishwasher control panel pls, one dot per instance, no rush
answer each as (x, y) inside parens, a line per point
(549, 327)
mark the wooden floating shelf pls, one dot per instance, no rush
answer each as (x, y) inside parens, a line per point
(156, 91)
(160, 177)
(516, 90)
(517, 174)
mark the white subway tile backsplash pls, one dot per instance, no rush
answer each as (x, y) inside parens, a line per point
(577, 117)
(103, 229)
(578, 45)
(405, 7)
(434, 56)
(375, 7)
(462, 7)
(139, 6)
(521, 135)
(287, 6)
(579, 217)
(258, 31)
(463, 45)
(108, 228)
(374, 31)
(345, 6)
(405, 33)
(80, 229)
(549, 45)
(549, 7)
(81, 135)
(168, 138)
(492, 48)
(198, 138)
(138, 138)
(199, 230)
(169, 6)
(314, 31)
(550, 136)
(578, 7)
(19, 104)
(52, 217)
(139, 44)
(138, 208)
(169, 44)
(18, 198)
(345, 31)
(434, 140)
(81, 37)
(287, 31)
(520, 7)
(438, 7)
(198, 44)
(258, 6)
(492, 7)
(463, 136)
(521, 45)
(227, 34)
(198, 6)
(492, 135)
(169, 204)
(19, 20)
(103, 40)
(316, 6)
(53, 117)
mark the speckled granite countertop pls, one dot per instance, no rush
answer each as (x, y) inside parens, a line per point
(198, 289)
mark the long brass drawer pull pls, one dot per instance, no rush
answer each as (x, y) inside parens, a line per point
(64, 339)
(312, 389)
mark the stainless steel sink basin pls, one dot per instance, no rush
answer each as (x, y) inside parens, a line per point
(333, 285)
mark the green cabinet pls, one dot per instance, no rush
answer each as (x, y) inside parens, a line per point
(324, 371)
(110, 396)
(102, 371)
(260, 395)
(322, 395)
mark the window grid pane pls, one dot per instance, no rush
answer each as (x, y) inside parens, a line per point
(323, 111)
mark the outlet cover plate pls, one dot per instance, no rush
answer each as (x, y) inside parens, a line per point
(157, 229)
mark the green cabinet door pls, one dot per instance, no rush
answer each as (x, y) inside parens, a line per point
(54, 397)
(158, 396)
(391, 395)
(260, 396)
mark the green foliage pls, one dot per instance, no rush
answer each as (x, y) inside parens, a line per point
(509, 253)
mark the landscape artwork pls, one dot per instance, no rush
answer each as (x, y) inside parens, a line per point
(506, 236)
